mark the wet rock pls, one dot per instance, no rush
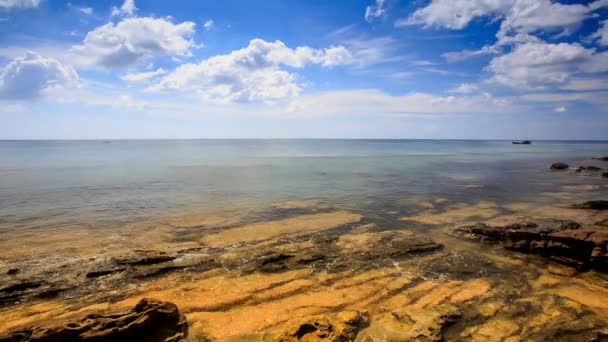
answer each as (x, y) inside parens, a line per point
(559, 166)
(104, 272)
(20, 286)
(593, 205)
(411, 324)
(342, 327)
(149, 320)
(559, 240)
(603, 158)
(12, 271)
(386, 244)
(144, 260)
(588, 168)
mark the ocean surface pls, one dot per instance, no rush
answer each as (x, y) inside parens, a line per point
(49, 184)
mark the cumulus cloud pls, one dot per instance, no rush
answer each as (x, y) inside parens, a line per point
(375, 11)
(208, 25)
(541, 64)
(8, 4)
(143, 76)
(253, 73)
(602, 34)
(127, 9)
(133, 40)
(31, 75)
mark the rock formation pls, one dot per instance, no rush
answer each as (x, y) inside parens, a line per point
(150, 320)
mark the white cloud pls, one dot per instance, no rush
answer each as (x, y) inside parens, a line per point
(127, 9)
(465, 88)
(133, 40)
(253, 73)
(516, 15)
(375, 11)
(8, 4)
(208, 25)
(602, 34)
(143, 76)
(541, 65)
(32, 75)
(454, 14)
(560, 109)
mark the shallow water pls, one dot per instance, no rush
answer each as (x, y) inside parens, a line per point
(103, 183)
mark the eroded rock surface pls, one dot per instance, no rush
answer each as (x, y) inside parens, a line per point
(411, 324)
(149, 320)
(331, 328)
(559, 240)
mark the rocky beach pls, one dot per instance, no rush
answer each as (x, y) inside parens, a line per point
(426, 269)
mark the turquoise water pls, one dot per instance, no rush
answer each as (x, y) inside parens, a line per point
(45, 184)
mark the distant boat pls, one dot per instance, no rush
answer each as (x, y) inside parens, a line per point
(522, 142)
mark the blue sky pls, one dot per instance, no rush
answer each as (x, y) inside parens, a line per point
(481, 69)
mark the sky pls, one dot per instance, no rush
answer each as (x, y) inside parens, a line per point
(443, 69)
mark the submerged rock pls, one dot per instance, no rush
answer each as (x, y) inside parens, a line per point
(149, 320)
(559, 240)
(588, 168)
(593, 205)
(411, 324)
(386, 244)
(559, 166)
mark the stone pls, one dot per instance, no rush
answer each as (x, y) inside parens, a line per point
(559, 166)
(593, 205)
(603, 158)
(588, 168)
(12, 271)
(104, 272)
(342, 327)
(411, 324)
(559, 240)
(150, 259)
(604, 174)
(149, 320)
(390, 243)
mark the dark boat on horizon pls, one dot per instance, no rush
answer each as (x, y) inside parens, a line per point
(521, 142)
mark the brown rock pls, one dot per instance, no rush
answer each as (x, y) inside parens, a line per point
(558, 240)
(342, 327)
(559, 166)
(412, 324)
(593, 205)
(149, 320)
(604, 158)
(12, 271)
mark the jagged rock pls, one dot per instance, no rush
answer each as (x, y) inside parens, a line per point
(342, 327)
(604, 158)
(411, 324)
(149, 320)
(593, 205)
(588, 168)
(559, 166)
(559, 240)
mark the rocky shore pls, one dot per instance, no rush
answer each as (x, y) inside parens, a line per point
(308, 271)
